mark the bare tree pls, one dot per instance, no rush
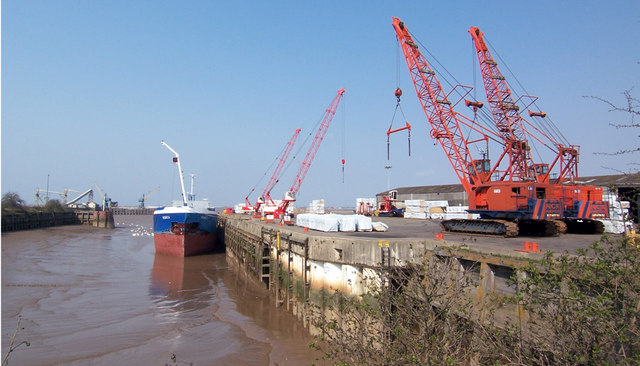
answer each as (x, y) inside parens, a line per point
(631, 108)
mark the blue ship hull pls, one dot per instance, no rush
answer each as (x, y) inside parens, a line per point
(182, 231)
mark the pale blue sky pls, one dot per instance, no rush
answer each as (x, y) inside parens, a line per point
(90, 88)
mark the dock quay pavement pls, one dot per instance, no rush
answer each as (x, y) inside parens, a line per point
(337, 260)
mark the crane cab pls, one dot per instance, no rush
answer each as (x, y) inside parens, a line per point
(480, 171)
(289, 196)
(541, 172)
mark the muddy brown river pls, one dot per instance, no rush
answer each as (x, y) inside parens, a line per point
(89, 296)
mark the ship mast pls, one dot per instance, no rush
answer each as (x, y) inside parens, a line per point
(176, 159)
(192, 197)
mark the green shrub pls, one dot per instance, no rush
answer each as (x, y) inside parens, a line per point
(13, 204)
(576, 310)
(53, 206)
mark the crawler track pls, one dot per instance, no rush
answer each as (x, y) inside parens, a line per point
(482, 226)
(542, 227)
(504, 228)
(584, 226)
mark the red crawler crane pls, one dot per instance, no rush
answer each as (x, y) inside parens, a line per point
(507, 206)
(265, 197)
(290, 195)
(582, 204)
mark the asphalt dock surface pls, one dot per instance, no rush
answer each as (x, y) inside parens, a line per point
(401, 228)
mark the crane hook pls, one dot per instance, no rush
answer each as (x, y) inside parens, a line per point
(398, 94)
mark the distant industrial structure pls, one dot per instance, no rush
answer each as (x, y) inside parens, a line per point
(43, 195)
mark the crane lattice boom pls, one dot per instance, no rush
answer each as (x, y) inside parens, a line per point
(445, 122)
(512, 126)
(266, 197)
(505, 112)
(313, 149)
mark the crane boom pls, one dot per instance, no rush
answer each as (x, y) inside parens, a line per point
(176, 159)
(266, 197)
(444, 121)
(313, 149)
(505, 112)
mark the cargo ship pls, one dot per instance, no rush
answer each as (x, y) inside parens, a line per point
(187, 227)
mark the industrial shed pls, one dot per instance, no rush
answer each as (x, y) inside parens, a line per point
(627, 186)
(454, 193)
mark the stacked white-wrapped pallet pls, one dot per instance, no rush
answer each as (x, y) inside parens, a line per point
(436, 209)
(457, 209)
(415, 209)
(456, 212)
(238, 208)
(347, 223)
(316, 207)
(618, 220)
(440, 203)
(318, 222)
(334, 222)
(363, 223)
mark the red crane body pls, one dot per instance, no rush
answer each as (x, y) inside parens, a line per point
(579, 202)
(266, 198)
(290, 195)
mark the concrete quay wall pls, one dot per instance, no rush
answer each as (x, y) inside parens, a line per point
(301, 267)
(40, 220)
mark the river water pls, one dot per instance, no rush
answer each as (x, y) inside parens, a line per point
(90, 296)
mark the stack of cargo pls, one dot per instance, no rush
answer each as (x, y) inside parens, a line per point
(436, 209)
(239, 208)
(334, 222)
(618, 221)
(317, 207)
(365, 206)
(458, 212)
(415, 209)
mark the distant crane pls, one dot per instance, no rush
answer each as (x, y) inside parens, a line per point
(145, 197)
(290, 195)
(106, 201)
(266, 197)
